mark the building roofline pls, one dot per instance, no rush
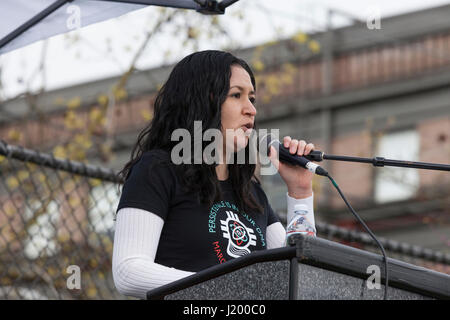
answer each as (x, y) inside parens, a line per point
(395, 29)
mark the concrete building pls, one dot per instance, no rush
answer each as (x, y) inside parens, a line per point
(366, 93)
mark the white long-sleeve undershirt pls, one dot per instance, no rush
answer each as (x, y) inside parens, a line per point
(136, 240)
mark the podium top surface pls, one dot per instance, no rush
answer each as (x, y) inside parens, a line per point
(326, 255)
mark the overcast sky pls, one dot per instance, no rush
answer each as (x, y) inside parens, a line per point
(88, 59)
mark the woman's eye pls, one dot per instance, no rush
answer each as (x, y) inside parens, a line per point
(238, 96)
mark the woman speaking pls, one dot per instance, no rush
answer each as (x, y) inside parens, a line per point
(177, 218)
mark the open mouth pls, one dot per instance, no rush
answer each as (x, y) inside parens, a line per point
(247, 126)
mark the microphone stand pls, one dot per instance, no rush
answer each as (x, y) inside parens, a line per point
(378, 161)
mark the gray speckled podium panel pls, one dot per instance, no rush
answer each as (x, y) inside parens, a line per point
(270, 281)
(319, 284)
(260, 281)
(317, 269)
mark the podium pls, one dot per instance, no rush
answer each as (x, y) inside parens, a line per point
(309, 268)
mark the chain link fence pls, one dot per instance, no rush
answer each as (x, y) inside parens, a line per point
(57, 229)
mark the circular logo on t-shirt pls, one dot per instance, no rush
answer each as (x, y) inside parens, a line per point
(239, 236)
(234, 233)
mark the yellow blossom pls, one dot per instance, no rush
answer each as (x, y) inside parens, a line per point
(95, 182)
(91, 292)
(74, 103)
(314, 46)
(102, 99)
(59, 152)
(22, 175)
(12, 183)
(300, 37)
(120, 93)
(14, 135)
(146, 114)
(258, 65)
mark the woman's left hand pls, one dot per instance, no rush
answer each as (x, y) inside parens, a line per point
(297, 179)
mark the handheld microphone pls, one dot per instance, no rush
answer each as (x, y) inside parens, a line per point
(286, 157)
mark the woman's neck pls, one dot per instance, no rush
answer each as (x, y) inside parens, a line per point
(222, 171)
(222, 167)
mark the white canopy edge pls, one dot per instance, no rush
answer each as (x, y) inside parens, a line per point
(72, 15)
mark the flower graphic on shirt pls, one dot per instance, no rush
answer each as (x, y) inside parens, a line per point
(239, 236)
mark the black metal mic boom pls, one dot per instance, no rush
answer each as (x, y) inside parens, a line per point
(378, 161)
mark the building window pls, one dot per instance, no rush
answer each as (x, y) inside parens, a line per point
(395, 183)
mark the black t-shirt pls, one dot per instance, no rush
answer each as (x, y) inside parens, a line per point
(194, 236)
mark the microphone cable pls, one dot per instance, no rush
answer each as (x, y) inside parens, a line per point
(386, 274)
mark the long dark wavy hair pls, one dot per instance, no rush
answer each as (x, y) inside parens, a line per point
(195, 91)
